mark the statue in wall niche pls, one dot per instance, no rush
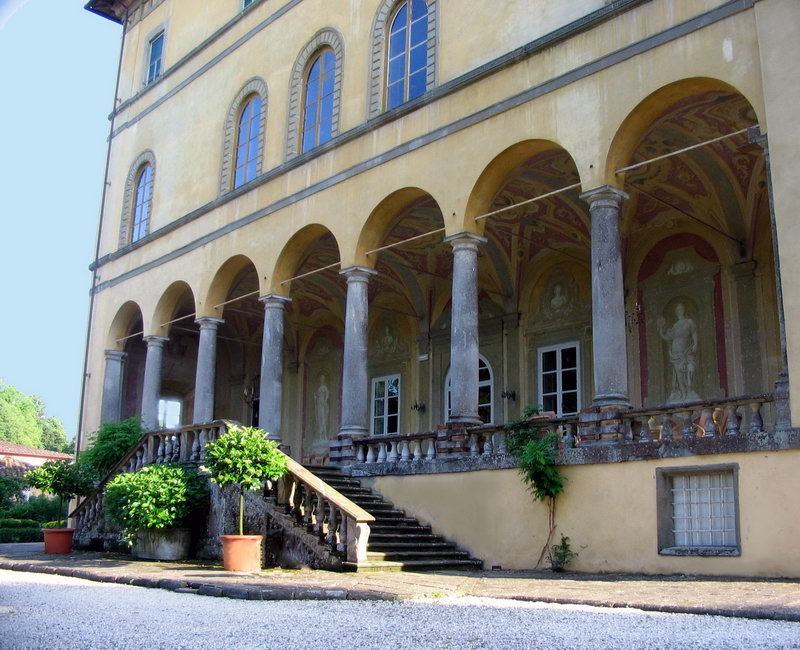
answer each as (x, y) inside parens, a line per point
(559, 300)
(682, 339)
(321, 406)
(388, 340)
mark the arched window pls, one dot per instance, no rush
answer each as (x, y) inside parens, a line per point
(318, 100)
(248, 142)
(485, 392)
(141, 207)
(407, 56)
(315, 93)
(243, 144)
(137, 202)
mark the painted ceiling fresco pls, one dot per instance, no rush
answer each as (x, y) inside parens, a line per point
(318, 296)
(721, 184)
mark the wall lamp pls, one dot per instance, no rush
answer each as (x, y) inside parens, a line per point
(510, 395)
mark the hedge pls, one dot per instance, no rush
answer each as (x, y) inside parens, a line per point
(16, 535)
(19, 523)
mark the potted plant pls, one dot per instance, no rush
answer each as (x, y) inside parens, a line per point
(244, 457)
(65, 480)
(151, 505)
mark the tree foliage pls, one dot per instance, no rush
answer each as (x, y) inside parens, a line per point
(109, 444)
(243, 456)
(61, 478)
(157, 496)
(23, 421)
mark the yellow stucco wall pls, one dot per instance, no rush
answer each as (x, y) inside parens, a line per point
(610, 509)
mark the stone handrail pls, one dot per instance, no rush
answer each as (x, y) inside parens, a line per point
(697, 419)
(338, 522)
(182, 445)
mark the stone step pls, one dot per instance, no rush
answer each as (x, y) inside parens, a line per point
(422, 545)
(405, 538)
(402, 556)
(415, 565)
(410, 526)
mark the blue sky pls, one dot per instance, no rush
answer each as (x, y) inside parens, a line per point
(58, 66)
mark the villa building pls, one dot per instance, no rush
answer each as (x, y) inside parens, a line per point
(378, 229)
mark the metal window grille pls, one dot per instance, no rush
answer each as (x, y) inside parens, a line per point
(704, 510)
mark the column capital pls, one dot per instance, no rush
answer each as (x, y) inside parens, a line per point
(274, 300)
(358, 273)
(209, 322)
(605, 196)
(116, 355)
(155, 341)
(465, 240)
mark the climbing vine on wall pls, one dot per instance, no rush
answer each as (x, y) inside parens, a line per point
(537, 451)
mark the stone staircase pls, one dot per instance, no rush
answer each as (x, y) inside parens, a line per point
(396, 542)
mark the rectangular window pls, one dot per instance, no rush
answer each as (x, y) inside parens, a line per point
(698, 511)
(385, 405)
(155, 58)
(559, 378)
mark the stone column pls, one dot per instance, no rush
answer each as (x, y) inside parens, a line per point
(608, 298)
(270, 396)
(111, 410)
(151, 392)
(464, 329)
(204, 384)
(355, 376)
(783, 414)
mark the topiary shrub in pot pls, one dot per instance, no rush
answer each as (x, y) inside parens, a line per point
(243, 457)
(152, 505)
(64, 480)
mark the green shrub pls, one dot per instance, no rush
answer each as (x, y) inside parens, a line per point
(10, 489)
(109, 445)
(37, 508)
(157, 496)
(17, 535)
(18, 523)
(560, 555)
(243, 456)
(59, 477)
(57, 523)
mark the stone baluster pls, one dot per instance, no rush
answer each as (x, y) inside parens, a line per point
(731, 420)
(140, 458)
(418, 450)
(667, 424)
(176, 449)
(359, 452)
(687, 431)
(502, 442)
(405, 453)
(203, 435)
(756, 421)
(168, 444)
(392, 451)
(195, 456)
(342, 545)
(371, 454)
(709, 426)
(330, 537)
(431, 449)
(644, 431)
(381, 452)
(488, 446)
(319, 523)
(473, 444)
(160, 449)
(569, 437)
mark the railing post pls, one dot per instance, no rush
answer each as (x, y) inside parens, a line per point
(357, 539)
(709, 426)
(731, 420)
(756, 421)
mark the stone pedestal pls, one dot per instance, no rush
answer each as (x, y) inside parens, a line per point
(600, 424)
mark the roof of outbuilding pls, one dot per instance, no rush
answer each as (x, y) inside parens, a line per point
(13, 449)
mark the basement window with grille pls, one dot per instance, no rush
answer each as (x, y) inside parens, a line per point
(698, 510)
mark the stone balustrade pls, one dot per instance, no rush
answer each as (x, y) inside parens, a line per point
(728, 417)
(338, 522)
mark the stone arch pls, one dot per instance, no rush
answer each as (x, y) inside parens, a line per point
(255, 86)
(292, 255)
(325, 38)
(377, 64)
(220, 285)
(635, 125)
(381, 220)
(147, 157)
(493, 177)
(126, 316)
(166, 307)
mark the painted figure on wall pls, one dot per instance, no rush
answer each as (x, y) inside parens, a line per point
(682, 339)
(321, 406)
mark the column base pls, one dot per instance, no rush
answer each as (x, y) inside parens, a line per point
(601, 425)
(349, 431)
(465, 419)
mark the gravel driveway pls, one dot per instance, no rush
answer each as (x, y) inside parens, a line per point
(46, 611)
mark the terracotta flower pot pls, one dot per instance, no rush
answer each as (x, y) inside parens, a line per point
(58, 540)
(241, 552)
